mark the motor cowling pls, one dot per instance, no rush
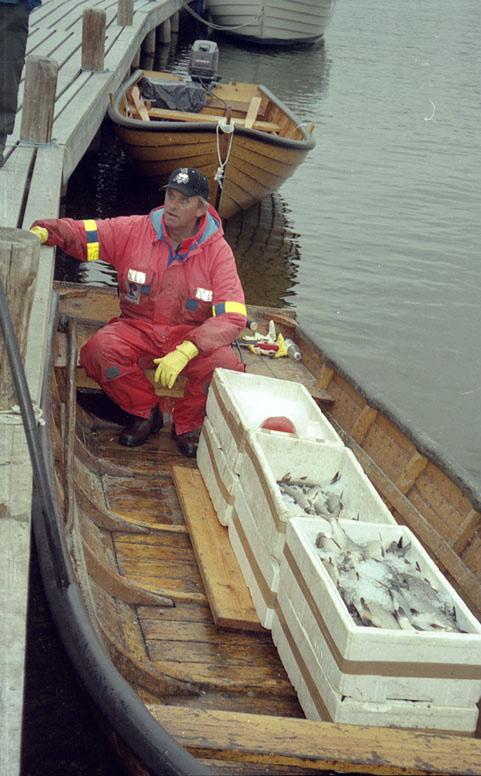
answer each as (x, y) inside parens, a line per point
(204, 60)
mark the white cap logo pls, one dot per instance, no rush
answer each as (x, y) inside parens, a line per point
(182, 177)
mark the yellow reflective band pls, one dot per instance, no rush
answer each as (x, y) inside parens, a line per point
(229, 307)
(93, 251)
(93, 245)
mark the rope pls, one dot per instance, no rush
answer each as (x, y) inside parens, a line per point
(228, 129)
(214, 26)
(13, 416)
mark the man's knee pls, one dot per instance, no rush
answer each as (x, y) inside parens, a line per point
(101, 356)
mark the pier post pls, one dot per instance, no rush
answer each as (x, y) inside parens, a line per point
(93, 39)
(38, 99)
(136, 60)
(148, 46)
(175, 23)
(125, 12)
(19, 257)
(164, 32)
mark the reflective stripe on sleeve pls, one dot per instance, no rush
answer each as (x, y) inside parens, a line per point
(93, 245)
(229, 307)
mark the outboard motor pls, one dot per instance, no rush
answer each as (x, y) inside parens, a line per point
(204, 60)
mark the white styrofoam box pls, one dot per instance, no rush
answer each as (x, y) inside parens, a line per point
(459, 654)
(320, 701)
(259, 569)
(263, 596)
(219, 479)
(238, 402)
(268, 458)
(369, 682)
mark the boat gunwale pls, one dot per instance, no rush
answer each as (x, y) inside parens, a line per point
(116, 115)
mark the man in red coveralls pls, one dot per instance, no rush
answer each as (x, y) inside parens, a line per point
(181, 300)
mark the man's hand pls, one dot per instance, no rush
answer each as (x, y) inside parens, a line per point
(170, 366)
(40, 232)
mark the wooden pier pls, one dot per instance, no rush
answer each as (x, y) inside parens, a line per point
(78, 53)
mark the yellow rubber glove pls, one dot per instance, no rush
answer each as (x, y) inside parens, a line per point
(40, 232)
(170, 366)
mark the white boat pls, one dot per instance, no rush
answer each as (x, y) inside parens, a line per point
(274, 22)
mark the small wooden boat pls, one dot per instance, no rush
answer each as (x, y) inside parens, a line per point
(272, 22)
(245, 140)
(132, 553)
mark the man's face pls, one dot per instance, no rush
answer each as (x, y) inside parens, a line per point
(181, 212)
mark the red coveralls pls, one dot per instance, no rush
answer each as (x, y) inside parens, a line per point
(166, 296)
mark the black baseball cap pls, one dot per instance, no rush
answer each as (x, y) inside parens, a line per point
(189, 181)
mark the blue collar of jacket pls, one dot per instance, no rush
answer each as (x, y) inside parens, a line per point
(209, 225)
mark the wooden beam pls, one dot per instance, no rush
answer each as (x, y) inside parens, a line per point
(252, 111)
(139, 104)
(364, 422)
(414, 468)
(19, 258)
(271, 742)
(229, 597)
(207, 118)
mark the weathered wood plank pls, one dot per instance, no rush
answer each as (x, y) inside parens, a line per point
(176, 115)
(317, 745)
(38, 99)
(252, 111)
(19, 256)
(226, 590)
(13, 182)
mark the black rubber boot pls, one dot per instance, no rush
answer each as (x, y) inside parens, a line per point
(137, 432)
(188, 443)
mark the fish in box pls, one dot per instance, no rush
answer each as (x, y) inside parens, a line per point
(270, 462)
(239, 402)
(319, 699)
(383, 670)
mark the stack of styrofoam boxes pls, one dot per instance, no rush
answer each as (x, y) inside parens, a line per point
(366, 675)
(261, 514)
(237, 403)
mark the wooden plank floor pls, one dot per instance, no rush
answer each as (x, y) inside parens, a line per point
(33, 177)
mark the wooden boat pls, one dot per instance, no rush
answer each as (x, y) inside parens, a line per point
(266, 146)
(272, 22)
(132, 554)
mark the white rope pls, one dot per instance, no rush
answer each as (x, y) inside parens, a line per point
(13, 416)
(228, 129)
(214, 26)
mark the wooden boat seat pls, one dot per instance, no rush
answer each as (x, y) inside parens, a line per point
(209, 733)
(210, 118)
